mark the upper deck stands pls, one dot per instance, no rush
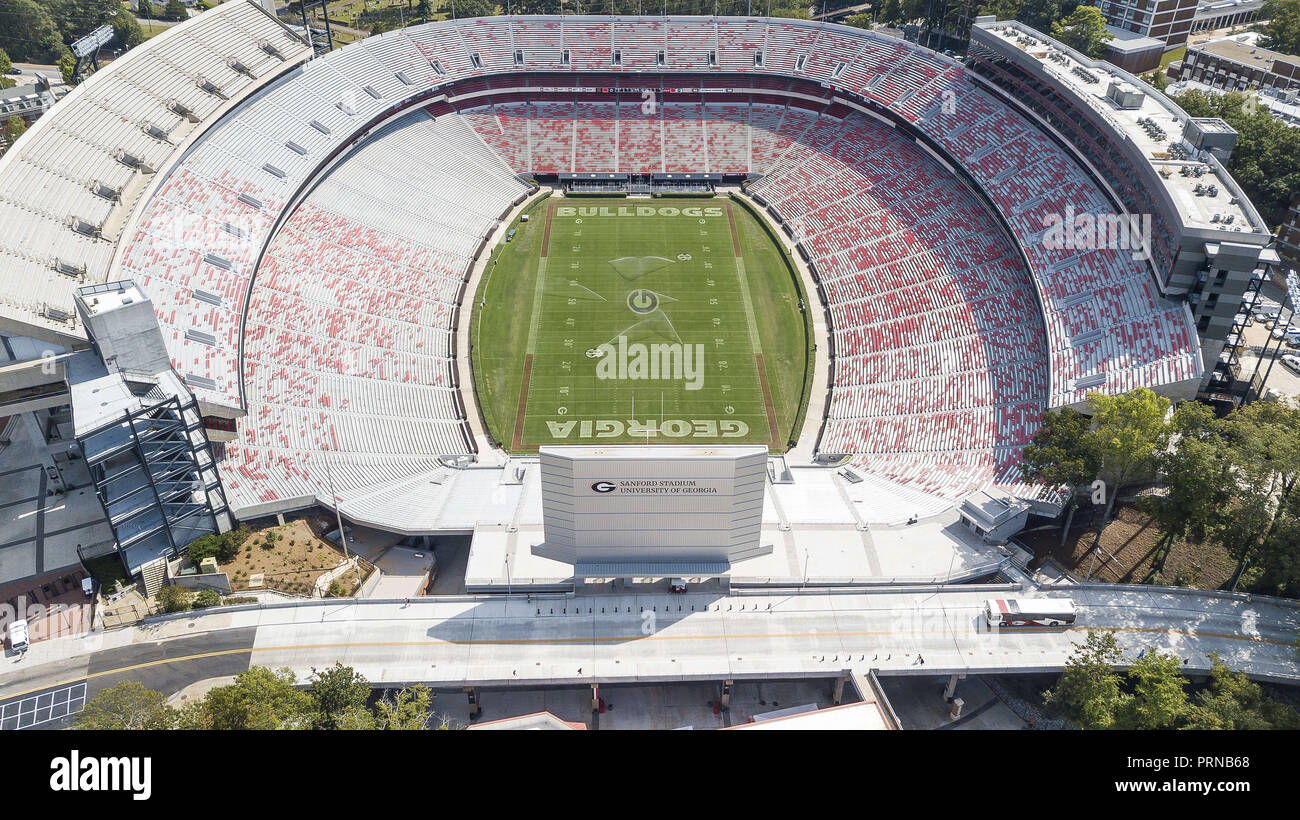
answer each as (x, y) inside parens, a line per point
(1105, 329)
(69, 185)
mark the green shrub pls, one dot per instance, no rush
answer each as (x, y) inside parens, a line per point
(205, 546)
(174, 598)
(207, 598)
(335, 590)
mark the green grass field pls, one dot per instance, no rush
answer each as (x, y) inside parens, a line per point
(668, 321)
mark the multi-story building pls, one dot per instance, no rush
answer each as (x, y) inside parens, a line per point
(1206, 238)
(1288, 238)
(1167, 20)
(1237, 64)
(1212, 14)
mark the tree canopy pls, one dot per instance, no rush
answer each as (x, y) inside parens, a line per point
(1153, 694)
(1084, 30)
(29, 33)
(1281, 26)
(338, 698)
(127, 705)
(1266, 159)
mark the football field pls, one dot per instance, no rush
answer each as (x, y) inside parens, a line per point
(640, 323)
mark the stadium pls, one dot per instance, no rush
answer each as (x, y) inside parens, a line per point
(382, 278)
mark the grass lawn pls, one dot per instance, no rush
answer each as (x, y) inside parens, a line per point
(292, 564)
(1171, 56)
(670, 320)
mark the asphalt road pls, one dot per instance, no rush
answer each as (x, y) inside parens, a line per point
(658, 638)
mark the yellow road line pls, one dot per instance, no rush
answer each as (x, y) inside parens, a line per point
(608, 639)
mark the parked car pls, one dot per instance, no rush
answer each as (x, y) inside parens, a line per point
(1243, 319)
(1280, 330)
(15, 70)
(1291, 362)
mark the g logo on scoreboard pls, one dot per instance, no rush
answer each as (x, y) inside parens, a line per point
(604, 487)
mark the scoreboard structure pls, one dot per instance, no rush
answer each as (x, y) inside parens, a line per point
(667, 508)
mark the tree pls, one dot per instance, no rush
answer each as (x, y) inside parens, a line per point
(1266, 158)
(1088, 692)
(127, 30)
(354, 718)
(29, 33)
(1084, 30)
(1196, 477)
(1281, 32)
(175, 10)
(1234, 701)
(409, 712)
(144, 10)
(792, 12)
(1127, 433)
(891, 14)
(258, 699)
(1057, 455)
(474, 8)
(5, 67)
(127, 705)
(13, 129)
(338, 690)
(1159, 700)
(1158, 80)
(858, 21)
(1264, 459)
(67, 67)
(1037, 14)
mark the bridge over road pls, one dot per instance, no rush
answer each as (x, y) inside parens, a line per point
(500, 641)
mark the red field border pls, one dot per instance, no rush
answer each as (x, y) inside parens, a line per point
(546, 233)
(777, 444)
(523, 404)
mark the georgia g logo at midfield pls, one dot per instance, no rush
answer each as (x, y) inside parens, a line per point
(604, 487)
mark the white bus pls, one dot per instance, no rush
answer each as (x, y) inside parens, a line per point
(1029, 611)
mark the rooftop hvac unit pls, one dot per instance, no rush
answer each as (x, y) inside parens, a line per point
(181, 110)
(240, 68)
(270, 49)
(83, 227)
(103, 191)
(56, 314)
(132, 161)
(156, 131)
(69, 269)
(210, 87)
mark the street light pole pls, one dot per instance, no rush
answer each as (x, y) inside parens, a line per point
(338, 516)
